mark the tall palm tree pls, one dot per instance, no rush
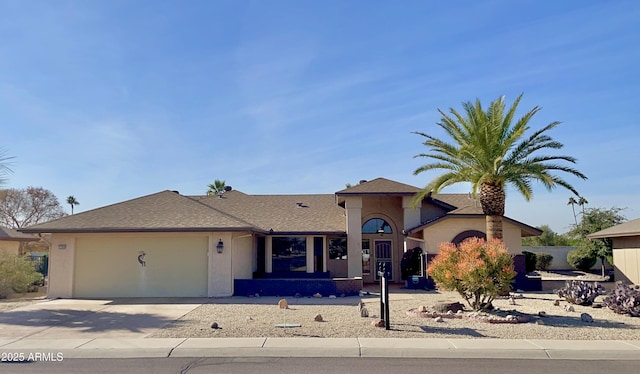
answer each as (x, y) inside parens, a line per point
(71, 200)
(489, 151)
(582, 202)
(573, 202)
(4, 166)
(217, 188)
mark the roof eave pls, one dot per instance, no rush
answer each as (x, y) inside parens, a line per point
(137, 230)
(613, 235)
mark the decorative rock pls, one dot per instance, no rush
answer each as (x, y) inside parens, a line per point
(439, 319)
(215, 326)
(257, 295)
(343, 295)
(569, 308)
(317, 295)
(542, 314)
(445, 306)
(450, 312)
(540, 322)
(318, 318)
(422, 308)
(459, 312)
(556, 303)
(297, 295)
(378, 323)
(283, 304)
(364, 312)
(586, 317)
(511, 317)
(332, 296)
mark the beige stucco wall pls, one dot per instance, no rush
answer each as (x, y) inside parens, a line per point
(243, 260)
(626, 259)
(444, 231)
(10, 246)
(108, 266)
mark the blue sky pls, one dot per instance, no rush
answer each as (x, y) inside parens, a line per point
(111, 100)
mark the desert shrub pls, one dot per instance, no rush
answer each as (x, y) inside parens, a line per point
(530, 259)
(478, 270)
(16, 273)
(624, 299)
(581, 259)
(543, 260)
(580, 292)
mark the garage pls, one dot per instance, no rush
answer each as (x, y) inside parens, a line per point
(139, 265)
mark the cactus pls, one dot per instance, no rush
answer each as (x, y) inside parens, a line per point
(624, 299)
(580, 292)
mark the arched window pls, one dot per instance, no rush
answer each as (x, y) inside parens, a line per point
(468, 234)
(376, 226)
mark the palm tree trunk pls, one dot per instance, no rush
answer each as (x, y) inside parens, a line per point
(492, 200)
(494, 227)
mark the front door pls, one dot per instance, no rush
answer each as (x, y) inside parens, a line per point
(383, 254)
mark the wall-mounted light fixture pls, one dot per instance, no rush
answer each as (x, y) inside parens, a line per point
(220, 246)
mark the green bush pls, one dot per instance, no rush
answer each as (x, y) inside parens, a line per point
(16, 273)
(543, 260)
(581, 259)
(529, 261)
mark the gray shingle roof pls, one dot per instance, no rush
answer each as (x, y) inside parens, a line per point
(630, 228)
(380, 186)
(13, 235)
(162, 211)
(282, 213)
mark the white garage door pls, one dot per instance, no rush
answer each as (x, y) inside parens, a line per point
(135, 266)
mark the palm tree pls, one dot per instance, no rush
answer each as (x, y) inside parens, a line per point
(71, 200)
(489, 151)
(217, 188)
(582, 202)
(4, 166)
(573, 202)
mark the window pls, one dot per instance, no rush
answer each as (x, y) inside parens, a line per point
(289, 254)
(376, 226)
(337, 248)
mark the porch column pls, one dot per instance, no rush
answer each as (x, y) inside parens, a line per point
(310, 255)
(268, 253)
(353, 207)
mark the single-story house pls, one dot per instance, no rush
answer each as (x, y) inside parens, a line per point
(626, 249)
(11, 239)
(168, 244)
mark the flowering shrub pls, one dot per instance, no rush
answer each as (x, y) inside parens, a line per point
(478, 270)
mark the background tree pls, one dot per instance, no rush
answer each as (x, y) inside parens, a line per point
(582, 202)
(217, 188)
(71, 200)
(596, 219)
(547, 238)
(5, 170)
(489, 151)
(573, 203)
(29, 206)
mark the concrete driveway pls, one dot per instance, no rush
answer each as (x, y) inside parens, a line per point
(87, 319)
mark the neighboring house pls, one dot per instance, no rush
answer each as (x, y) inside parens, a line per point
(626, 249)
(167, 244)
(11, 239)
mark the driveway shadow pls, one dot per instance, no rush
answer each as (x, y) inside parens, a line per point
(85, 321)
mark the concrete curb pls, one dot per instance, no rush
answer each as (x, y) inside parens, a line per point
(324, 347)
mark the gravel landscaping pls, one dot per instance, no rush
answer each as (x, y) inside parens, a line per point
(257, 317)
